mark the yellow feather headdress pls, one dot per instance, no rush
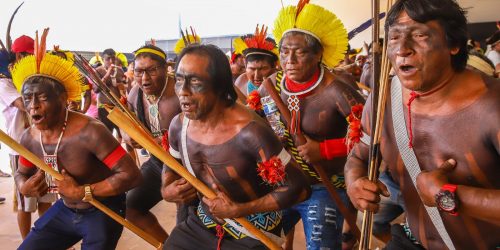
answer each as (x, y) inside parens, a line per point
(317, 22)
(186, 39)
(257, 43)
(48, 65)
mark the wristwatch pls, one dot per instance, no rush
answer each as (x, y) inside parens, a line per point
(88, 193)
(447, 200)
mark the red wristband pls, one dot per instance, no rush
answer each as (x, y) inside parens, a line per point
(25, 162)
(332, 148)
(114, 157)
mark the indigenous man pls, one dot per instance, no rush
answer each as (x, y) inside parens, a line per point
(114, 77)
(154, 101)
(453, 123)
(93, 164)
(260, 55)
(319, 103)
(16, 122)
(237, 64)
(229, 148)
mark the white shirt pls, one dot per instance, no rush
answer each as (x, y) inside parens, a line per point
(15, 119)
(494, 56)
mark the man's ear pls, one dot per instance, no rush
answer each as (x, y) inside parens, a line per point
(454, 50)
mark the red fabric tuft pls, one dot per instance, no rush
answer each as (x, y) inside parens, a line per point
(253, 101)
(123, 100)
(272, 171)
(354, 133)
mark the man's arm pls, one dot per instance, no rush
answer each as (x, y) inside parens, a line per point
(173, 187)
(480, 203)
(29, 179)
(364, 194)
(125, 174)
(267, 149)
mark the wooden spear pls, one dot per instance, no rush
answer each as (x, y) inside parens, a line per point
(379, 96)
(300, 140)
(124, 123)
(40, 164)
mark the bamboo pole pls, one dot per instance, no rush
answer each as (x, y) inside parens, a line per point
(379, 99)
(124, 123)
(40, 164)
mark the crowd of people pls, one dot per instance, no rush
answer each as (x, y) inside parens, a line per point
(280, 129)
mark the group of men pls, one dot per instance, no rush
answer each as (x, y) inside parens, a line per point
(440, 139)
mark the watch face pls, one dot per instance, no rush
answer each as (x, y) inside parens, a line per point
(446, 201)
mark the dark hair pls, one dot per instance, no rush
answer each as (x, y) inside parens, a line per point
(271, 59)
(109, 52)
(155, 57)
(218, 69)
(311, 41)
(57, 86)
(447, 12)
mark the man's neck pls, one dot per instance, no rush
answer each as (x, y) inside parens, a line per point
(213, 119)
(54, 131)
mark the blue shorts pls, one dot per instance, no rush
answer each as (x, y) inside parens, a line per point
(321, 219)
(62, 227)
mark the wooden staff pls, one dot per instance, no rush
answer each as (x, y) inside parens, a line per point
(124, 123)
(300, 140)
(40, 164)
(379, 97)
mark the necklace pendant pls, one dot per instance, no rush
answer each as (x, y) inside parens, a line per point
(51, 161)
(153, 110)
(293, 103)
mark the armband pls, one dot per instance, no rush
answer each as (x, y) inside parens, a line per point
(272, 171)
(333, 148)
(25, 162)
(114, 157)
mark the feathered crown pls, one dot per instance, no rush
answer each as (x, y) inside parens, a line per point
(257, 43)
(186, 39)
(48, 65)
(317, 22)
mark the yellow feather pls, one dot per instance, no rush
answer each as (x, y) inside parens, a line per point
(180, 45)
(239, 46)
(319, 21)
(52, 66)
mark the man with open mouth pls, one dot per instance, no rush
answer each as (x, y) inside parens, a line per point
(440, 135)
(230, 149)
(93, 164)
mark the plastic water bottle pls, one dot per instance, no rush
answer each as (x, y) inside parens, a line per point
(272, 115)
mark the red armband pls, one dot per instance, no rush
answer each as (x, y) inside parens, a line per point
(25, 162)
(114, 157)
(332, 148)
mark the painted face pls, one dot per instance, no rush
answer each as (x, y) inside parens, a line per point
(419, 53)
(193, 86)
(108, 60)
(298, 60)
(43, 104)
(258, 70)
(150, 76)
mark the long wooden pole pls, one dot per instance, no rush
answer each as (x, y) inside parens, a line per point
(300, 140)
(379, 96)
(40, 164)
(124, 123)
